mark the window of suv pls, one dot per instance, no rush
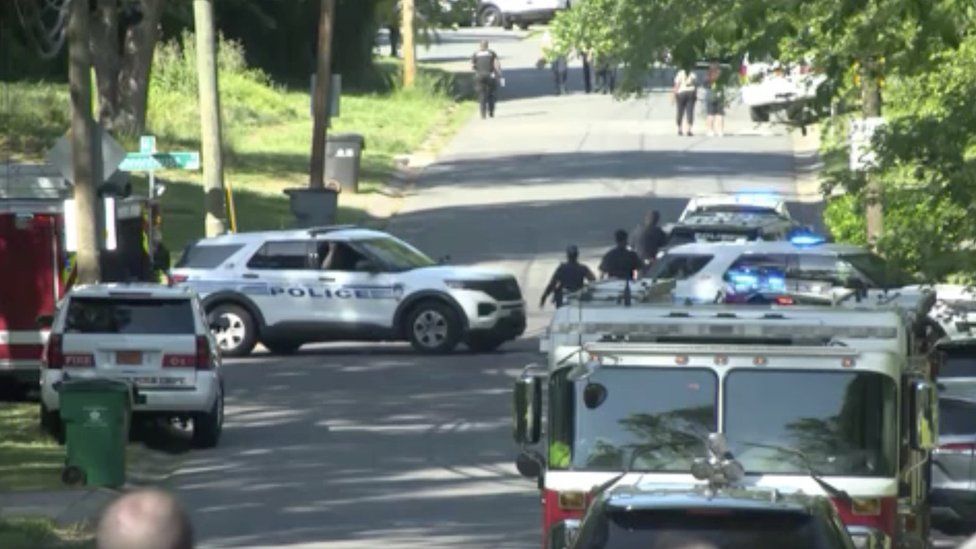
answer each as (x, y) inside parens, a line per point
(112, 315)
(959, 362)
(197, 256)
(281, 255)
(957, 417)
(679, 266)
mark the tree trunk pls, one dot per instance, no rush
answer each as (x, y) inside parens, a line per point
(409, 49)
(104, 39)
(871, 107)
(138, 48)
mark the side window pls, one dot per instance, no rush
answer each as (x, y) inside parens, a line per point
(679, 267)
(290, 254)
(339, 256)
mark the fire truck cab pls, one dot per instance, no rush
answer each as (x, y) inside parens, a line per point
(37, 259)
(826, 400)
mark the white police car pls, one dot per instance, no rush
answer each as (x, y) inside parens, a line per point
(286, 288)
(732, 218)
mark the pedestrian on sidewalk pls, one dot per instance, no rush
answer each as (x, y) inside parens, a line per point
(606, 74)
(685, 92)
(715, 100)
(587, 73)
(558, 62)
(144, 519)
(487, 77)
(621, 262)
(569, 277)
(650, 239)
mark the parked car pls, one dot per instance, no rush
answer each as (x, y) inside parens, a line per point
(287, 288)
(954, 467)
(153, 337)
(506, 13)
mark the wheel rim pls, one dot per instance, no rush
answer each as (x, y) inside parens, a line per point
(233, 335)
(430, 329)
(490, 18)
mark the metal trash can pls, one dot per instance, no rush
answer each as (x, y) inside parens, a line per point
(96, 415)
(343, 152)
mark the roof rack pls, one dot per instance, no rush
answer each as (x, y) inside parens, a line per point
(329, 228)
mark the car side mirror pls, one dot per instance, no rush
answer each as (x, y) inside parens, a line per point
(220, 323)
(529, 465)
(45, 321)
(527, 410)
(444, 260)
(925, 420)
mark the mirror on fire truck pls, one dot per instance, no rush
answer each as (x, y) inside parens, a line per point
(527, 412)
(529, 464)
(925, 397)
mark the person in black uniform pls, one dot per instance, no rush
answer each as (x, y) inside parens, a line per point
(621, 261)
(487, 73)
(569, 277)
(651, 238)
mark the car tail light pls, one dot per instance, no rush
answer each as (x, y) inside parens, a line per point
(199, 360)
(177, 279)
(959, 448)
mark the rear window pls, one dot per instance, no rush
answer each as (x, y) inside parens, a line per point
(959, 364)
(678, 266)
(957, 417)
(207, 257)
(88, 315)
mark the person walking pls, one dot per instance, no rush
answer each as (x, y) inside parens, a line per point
(558, 63)
(715, 100)
(487, 76)
(621, 261)
(606, 74)
(651, 238)
(587, 72)
(685, 92)
(569, 277)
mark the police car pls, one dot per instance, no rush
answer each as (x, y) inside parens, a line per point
(732, 218)
(287, 288)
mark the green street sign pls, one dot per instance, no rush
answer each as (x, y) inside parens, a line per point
(151, 162)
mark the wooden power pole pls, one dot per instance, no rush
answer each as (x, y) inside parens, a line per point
(409, 47)
(320, 101)
(83, 149)
(871, 107)
(210, 138)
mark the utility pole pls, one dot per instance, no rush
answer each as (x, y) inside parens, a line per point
(210, 138)
(320, 101)
(871, 107)
(83, 150)
(409, 48)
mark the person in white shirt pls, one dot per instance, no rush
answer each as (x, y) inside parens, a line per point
(685, 92)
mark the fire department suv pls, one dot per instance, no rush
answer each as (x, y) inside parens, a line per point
(831, 401)
(287, 288)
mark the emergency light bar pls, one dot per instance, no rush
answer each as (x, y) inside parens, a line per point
(599, 349)
(739, 330)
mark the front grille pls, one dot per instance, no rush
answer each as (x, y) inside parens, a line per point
(505, 289)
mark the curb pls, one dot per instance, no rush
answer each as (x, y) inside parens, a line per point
(807, 163)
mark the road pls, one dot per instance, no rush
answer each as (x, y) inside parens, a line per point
(362, 445)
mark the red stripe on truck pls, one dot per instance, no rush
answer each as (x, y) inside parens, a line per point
(21, 352)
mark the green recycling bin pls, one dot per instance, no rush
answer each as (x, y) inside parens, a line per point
(96, 414)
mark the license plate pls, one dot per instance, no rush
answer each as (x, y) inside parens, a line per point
(146, 381)
(128, 358)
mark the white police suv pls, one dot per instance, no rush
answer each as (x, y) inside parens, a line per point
(286, 288)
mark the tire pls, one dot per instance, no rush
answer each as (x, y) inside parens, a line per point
(240, 337)
(433, 327)
(282, 347)
(491, 16)
(51, 424)
(524, 26)
(483, 343)
(759, 114)
(208, 426)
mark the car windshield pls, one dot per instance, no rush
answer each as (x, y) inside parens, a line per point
(838, 423)
(394, 254)
(739, 209)
(881, 273)
(708, 528)
(89, 315)
(649, 419)
(678, 266)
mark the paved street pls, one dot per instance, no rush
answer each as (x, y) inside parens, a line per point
(374, 446)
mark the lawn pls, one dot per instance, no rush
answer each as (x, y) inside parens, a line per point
(29, 460)
(41, 533)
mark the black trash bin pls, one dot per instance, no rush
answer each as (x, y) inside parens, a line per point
(343, 152)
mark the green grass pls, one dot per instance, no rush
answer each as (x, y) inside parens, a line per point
(29, 460)
(32, 533)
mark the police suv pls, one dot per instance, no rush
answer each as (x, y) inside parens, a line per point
(732, 218)
(287, 288)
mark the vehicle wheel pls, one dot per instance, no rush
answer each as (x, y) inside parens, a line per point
(240, 335)
(490, 16)
(208, 426)
(523, 26)
(282, 347)
(483, 343)
(759, 114)
(51, 424)
(433, 327)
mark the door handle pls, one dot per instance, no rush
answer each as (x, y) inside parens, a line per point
(326, 279)
(249, 275)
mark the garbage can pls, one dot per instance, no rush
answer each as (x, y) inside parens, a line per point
(96, 415)
(343, 152)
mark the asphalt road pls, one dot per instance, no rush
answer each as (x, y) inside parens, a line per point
(363, 445)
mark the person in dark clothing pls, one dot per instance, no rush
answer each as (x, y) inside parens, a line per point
(569, 277)
(621, 261)
(587, 75)
(487, 73)
(651, 238)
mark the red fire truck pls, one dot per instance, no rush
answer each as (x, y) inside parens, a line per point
(37, 260)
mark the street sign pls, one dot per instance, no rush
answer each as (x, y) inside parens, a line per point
(335, 94)
(60, 155)
(862, 130)
(151, 162)
(147, 144)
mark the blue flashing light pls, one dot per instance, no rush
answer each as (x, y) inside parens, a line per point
(806, 239)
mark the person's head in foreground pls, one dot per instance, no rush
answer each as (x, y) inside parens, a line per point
(144, 519)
